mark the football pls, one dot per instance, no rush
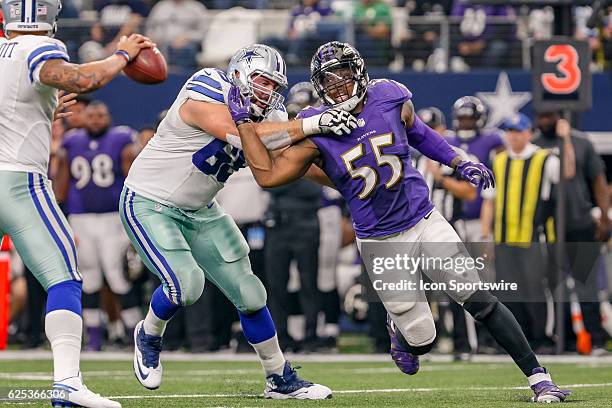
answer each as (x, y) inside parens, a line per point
(149, 67)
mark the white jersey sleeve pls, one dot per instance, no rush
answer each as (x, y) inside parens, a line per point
(208, 85)
(45, 51)
(26, 105)
(183, 166)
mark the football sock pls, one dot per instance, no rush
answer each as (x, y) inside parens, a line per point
(506, 331)
(63, 327)
(270, 356)
(160, 312)
(259, 331)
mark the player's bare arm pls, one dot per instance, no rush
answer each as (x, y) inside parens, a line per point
(216, 120)
(433, 145)
(273, 170)
(88, 77)
(317, 175)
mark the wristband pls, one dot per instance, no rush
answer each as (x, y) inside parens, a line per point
(123, 54)
(243, 121)
(310, 126)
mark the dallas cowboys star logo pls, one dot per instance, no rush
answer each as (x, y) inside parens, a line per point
(503, 103)
(249, 55)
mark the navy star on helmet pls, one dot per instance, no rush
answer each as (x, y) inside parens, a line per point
(259, 60)
(31, 15)
(249, 55)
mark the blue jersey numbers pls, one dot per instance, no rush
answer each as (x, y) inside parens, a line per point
(219, 159)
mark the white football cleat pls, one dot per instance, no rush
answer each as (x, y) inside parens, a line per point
(75, 394)
(290, 386)
(147, 367)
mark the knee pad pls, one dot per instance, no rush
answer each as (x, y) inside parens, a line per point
(398, 308)
(481, 304)
(253, 295)
(416, 326)
(191, 288)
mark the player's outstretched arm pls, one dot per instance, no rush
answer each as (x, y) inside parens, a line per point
(269, 169)
(434, 146)
(216, 120)
(93, 75)
(427, 140)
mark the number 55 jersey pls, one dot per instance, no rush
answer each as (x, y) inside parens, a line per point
(183, 166)
(371, 166)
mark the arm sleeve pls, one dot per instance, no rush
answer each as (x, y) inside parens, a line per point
(42, 53)
(430, 143)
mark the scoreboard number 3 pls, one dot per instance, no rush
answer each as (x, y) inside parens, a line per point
(567, 63)
(561, 78)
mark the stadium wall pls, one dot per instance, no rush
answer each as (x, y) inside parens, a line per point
(137, 105)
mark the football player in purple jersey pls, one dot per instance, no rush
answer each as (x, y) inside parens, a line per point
(388, 198)
(92, 165)
(480, 143)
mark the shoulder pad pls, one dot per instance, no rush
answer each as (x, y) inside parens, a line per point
(208, 85)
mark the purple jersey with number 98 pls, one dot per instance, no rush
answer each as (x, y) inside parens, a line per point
(96, 175)
(371, 166)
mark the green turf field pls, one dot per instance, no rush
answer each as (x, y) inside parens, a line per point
(355, 384)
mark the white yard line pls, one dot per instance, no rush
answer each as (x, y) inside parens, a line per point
(364, 391)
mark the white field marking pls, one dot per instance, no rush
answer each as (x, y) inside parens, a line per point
(47, 376)
(367, 391)
(15, 355)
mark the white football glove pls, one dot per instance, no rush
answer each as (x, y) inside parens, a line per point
(334, 120)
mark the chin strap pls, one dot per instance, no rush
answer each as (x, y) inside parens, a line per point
(350, 104)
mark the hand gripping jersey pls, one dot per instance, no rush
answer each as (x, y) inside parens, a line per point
(96, 174)
(183, 166)
(371, 167)
(26, 105)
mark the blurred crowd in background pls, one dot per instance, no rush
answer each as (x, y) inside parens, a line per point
(439, 36)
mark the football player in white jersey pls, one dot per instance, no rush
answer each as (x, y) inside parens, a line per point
(33, 66)
(169, 210)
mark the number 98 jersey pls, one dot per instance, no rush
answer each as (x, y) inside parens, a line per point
(96, 174)
(183, 166)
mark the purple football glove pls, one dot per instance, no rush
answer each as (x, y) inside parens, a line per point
(239, 106)
(476, 173)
